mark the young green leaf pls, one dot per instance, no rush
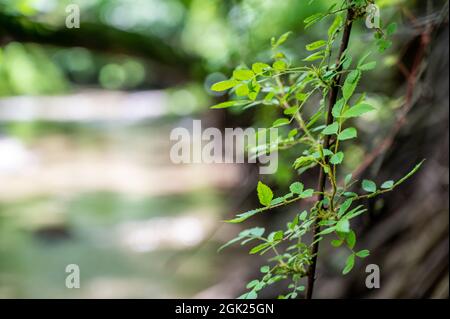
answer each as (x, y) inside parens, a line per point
(243, 75)
(343, 226)
(331, 129)
(337, 158)
(280, 65)
(228, 104)
(315, 45)
(348, 134)
(259, 68)
(265, 194)
(351, 239)
(350, 84)
(363, 253)
(369, 186)
(387, 185)
(358, 110)
(296, 188)
(349, 264)
(224, 85)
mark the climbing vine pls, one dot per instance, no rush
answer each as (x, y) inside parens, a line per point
(330, 73)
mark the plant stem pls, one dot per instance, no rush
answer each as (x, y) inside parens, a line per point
(326, 144)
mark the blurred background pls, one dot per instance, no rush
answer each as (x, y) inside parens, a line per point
(85, 173)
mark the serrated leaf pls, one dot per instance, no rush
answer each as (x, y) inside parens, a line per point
(265, 194)
(369, 186)
(348, 134)
(296, 188)
(307, 193)
(264, 269)
(337, 158)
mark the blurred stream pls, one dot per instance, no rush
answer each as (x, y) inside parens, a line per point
(100, 191)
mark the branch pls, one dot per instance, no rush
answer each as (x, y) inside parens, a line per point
(326, 143)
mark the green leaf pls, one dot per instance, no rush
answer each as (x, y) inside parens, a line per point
(343, 226)
(280, 65)
(336, 243)
(348, 178)
(296, 188)
(309, 21)
(252, 284)
(303, 161)
(348, 134)
(242, 90)
(369, 186)
(368, 66)
(244, 216)
(281, 39)
(259, 67)
(224, 85)
(243, 75)
(280, 122)
(350, 84)
(337, 158)
(265, 194)
(363, 253)
(251, 295)
(303, 215)
(391, 28)
(259, 248)
(313, 57)
(337, 108)
(225, 105)
(358, 110)
(331, 129)
(315, 45)
(307, 193)
(349, 264)
(344, 207)
(351, 239)
(335, 26)
(265, 269)
(387, 185)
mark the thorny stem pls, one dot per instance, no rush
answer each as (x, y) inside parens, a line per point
(326, 143)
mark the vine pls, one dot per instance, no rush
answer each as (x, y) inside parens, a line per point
(320, 137)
